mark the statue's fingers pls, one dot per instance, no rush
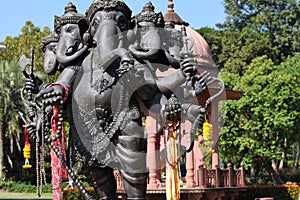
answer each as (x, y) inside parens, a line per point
(28, 80)
(31, 135)
(191, 66)
(204, 73)
(29, 83)
(167, 108)
(45, 91)
(189, 60)
(204, 77)
(198, 91)
(188, 68)
(173, 107)
(31, 128)
(177, 108)
(29, 87)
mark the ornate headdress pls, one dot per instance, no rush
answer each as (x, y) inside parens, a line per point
(71, 16)
(148, 15)
(106, 5)
(48, 39)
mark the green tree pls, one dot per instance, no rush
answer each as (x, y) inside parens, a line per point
(292, 67)
(12, 79)
(31, 36)
(257, 28)
(260, 126)
(213, 38)
(10, 103)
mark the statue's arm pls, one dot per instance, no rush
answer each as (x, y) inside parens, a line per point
(67, 77)
(148, 93)
(193, 112)
(60, 89)
(171, 83)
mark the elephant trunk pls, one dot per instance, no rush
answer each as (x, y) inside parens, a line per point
(150, 46)
(67, 54)
(108, 37)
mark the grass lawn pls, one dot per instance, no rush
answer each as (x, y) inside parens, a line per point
(11, 195)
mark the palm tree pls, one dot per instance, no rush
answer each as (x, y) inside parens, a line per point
(10, 103)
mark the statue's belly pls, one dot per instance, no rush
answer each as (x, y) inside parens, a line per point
(94, 91)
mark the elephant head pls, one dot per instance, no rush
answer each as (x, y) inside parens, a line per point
(148, 44)
(108, 22)
(71, 28)
(48, 46)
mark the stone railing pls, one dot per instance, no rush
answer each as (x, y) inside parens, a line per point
(214, 178)
(210, 178)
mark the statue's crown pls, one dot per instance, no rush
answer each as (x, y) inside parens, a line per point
(48, 39)
(148, 15)
(71, 16)
(107, 5)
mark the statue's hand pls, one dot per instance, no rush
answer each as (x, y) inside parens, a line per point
(189, 67)
(173, 110)
(31, 130)
(195, 111)
(31, 85)
(200, 82)
(52, 95)
(195, 114)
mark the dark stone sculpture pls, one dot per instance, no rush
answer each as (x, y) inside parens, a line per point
(108, 62)
(49, 46)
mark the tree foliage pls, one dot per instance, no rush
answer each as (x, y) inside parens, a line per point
(10, 103)
(214, 38)
(31, 36)
(257, 47)
(12, 82)
(267, 114)
(257, 28)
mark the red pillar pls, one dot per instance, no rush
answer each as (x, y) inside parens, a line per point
(199, 158)
(215, 121)
(153, 153)
(190, 170)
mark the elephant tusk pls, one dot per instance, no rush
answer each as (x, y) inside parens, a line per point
(72, 49)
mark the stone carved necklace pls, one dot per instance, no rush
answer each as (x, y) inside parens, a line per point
(100, 80)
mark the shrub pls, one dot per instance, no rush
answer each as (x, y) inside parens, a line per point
(282, 192)
(22, 187)
(293, 190)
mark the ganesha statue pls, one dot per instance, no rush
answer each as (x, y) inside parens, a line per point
(107, 62)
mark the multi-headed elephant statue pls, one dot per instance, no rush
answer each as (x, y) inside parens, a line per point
(106, 75)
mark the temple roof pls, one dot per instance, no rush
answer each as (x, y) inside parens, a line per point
(171, 15)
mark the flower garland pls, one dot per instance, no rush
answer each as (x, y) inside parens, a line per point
(207, 133)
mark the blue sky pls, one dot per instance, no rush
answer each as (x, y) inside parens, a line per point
(14, 13)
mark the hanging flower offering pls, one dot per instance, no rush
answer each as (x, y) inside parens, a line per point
(27, 156)
(207, 133)
(26, 150)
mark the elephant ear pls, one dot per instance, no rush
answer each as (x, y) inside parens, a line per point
(85, 34)
(83, 26)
